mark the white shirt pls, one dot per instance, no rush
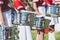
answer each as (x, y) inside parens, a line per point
(8, 18)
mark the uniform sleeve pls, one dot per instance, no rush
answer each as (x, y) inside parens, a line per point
(49, 2)
(1, 2)
(17, 5)
(35, 0)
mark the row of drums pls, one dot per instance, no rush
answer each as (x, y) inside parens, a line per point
(29, 21)
(31, 17)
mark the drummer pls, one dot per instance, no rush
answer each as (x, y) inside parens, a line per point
(21, 5)
(51, 8)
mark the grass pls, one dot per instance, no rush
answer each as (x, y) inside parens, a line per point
(50, 15)
(45, 35)
(34, 32)
(58, 36)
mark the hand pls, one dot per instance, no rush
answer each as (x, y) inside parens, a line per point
(43, 3)
(26, 7)
(4, 25)
(38, 14)
(49, 5)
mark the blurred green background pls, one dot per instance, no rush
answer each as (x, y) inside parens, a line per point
(45, 35)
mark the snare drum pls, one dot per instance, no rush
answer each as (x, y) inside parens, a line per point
(16, 17)
(52, 9)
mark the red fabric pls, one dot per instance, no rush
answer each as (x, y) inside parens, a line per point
(41, 1)
(17, 4)
(40, 4)
(37, 2)
(0, 0)
(25, 3)
(46, 30)
(49, 2)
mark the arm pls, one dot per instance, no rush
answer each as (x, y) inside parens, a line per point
(1, 16)
(35, 8)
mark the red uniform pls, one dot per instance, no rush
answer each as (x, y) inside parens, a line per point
(50, 2)
(18, 4)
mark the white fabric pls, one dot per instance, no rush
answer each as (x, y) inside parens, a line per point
(42, 10)
(24, 33)
(49, 10)
(7, 17)
(1, 31)
(57, 28)
(20, 7)
(51, 36)
(10, 4)
(51, 23)
(59, 19)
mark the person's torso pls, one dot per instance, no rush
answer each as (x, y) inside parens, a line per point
(5, 8)
(19, 4)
